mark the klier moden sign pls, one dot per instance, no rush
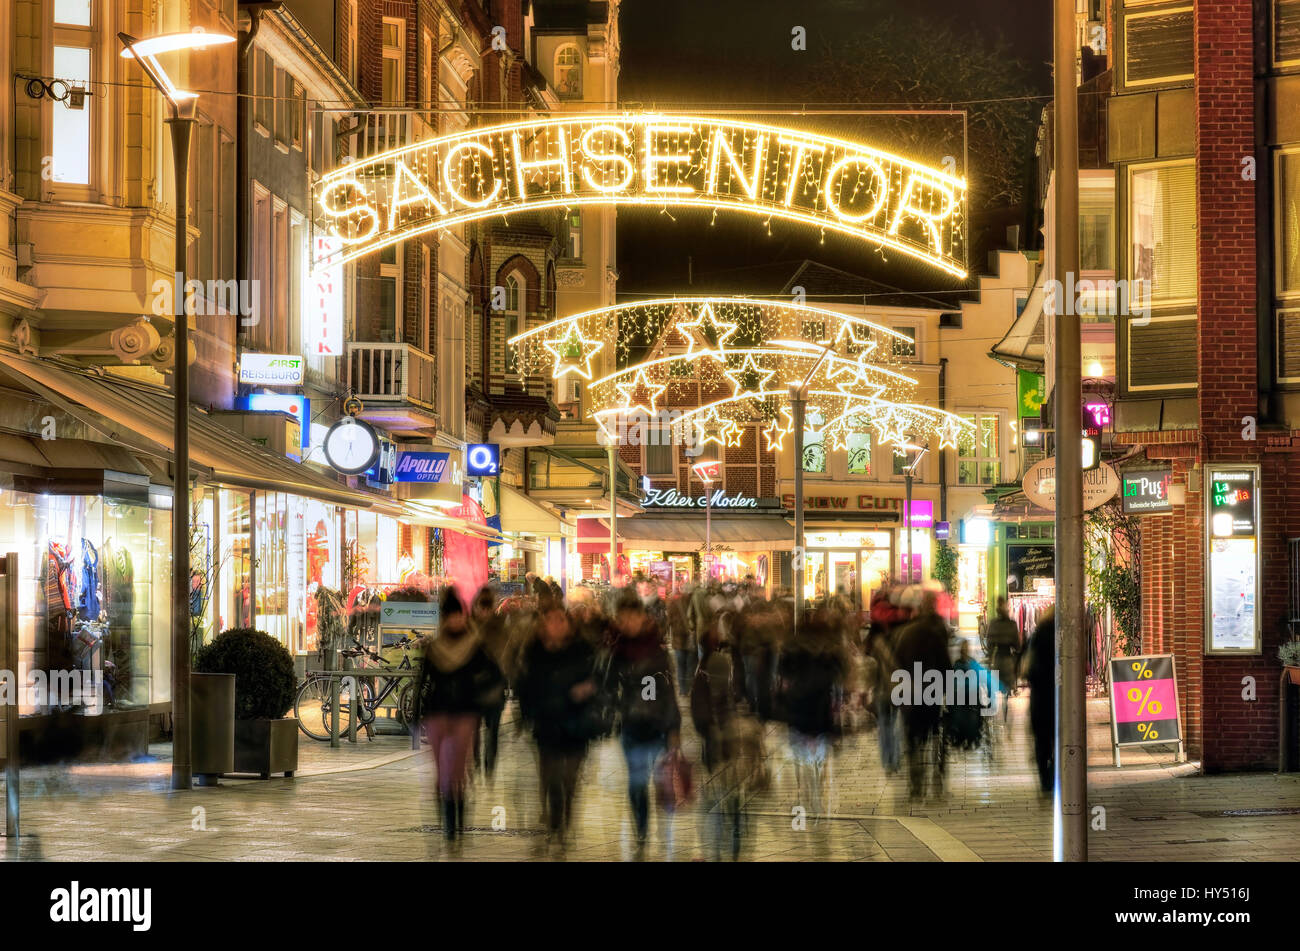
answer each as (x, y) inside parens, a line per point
(671, 498)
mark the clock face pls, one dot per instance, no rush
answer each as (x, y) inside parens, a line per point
(351, 446)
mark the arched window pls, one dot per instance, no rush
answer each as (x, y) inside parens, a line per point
(568, 72)
(514, 314)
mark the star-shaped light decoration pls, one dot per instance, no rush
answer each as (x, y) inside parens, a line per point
(714, 428)
(749, 379)
(573, 353)
(706, 330)
(775, 433)
(630, 390)
(892, 427)
(949, 432)
(847, 341)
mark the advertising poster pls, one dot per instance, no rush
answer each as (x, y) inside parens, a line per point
(1144, 700)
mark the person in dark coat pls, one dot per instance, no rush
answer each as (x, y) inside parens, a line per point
(556, 688)
(1004, 649)
(810, 669)
(1040, 672)
(491, 628)
(922, 651)
(641, 673)
(458, 681)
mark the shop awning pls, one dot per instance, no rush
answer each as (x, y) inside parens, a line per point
(520, 514)
(140, 418)
(756, 533)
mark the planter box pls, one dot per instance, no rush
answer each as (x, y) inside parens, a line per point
(266, 747)
(212, 730)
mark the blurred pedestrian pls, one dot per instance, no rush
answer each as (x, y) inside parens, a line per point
(716, 716)
(1040, 672)
(1004, 649)
(458, 681)
(556, 691)
(922, 655)
(491, 628)
(650, 721)
(809, 671)
(682, 638)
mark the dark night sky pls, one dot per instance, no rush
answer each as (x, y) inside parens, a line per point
(697, 53)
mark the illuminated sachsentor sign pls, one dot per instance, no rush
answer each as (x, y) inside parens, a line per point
(643, 159)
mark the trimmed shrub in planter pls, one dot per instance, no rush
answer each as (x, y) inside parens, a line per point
(266, 741)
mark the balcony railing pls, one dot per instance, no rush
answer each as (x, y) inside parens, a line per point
(391, 372)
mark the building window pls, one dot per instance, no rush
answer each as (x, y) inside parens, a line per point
(261, 320)
(264, 89)
(351, 54)
(1287, 216)
(225, 203)
(859, 453)
(1158, 46)
(297, 114)
(1162, 230)
(514, 315)
(978, 455)
(814, 442)
(905, 349)
(426, 72)
(814, 330)
(1097, 224)
(426, 313)
(1286, 32)
(658, 448)
(573, 238)
(280, 237)
(71, 128)
(900, 461)
(394, 72)
(390, 293)
(568, 72)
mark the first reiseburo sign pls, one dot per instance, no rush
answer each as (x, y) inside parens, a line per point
(1100, 485)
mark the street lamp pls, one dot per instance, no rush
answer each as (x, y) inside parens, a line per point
(183, 108)
(707, 470)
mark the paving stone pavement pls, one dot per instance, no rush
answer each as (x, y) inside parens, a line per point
(375, 801)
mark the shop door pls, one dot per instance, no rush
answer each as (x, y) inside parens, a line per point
(844, 575)
(874, 572)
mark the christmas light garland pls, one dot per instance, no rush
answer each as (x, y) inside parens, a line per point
(744, 354)
(644, 159)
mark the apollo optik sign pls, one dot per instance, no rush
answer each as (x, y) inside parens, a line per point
(644, 159)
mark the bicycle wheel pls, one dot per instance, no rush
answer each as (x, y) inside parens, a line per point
(314, 712)
(406, 704)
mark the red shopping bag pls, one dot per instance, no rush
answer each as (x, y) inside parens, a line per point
(673, 781)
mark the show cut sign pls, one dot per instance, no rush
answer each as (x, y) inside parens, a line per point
(644, 159)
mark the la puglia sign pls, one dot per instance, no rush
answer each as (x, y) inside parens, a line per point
(644, 159)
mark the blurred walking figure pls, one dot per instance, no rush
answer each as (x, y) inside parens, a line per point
(808, 673)
(880, 654)
(716, 715)
(457, 683)
(491, 627)
(1004, 646)
(682, 636)
(922, 651)
(1040, 672)
(650, 721)
(556, 691)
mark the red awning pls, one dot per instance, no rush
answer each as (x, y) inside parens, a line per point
(593, 536)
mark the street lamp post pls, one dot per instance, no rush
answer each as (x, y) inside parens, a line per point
(706, 470)
(798, 402)
(183, 105)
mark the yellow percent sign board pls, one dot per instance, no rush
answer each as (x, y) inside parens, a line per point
(654, 160)
(1144, 701)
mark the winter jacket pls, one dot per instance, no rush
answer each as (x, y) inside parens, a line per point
(458, 676)
(808, 674)
(922, 641)
(544, 685)
(642, 676)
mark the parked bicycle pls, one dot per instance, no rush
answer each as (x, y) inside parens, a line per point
(313, 705)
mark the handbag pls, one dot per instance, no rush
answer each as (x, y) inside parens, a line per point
(674, 783)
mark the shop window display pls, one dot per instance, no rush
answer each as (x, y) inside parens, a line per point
(93, 574)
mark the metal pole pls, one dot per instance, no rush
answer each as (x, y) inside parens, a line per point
(797, 401)
(907, 524)
(182, 772)
(9, 655)
(613, 516)
(1070, 833)
(708, 531)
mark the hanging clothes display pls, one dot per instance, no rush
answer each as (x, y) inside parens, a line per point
(1026, 611)
(89, 604)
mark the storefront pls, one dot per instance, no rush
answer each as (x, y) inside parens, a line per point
(672, 547)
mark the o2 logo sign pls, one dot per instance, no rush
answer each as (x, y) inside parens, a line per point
(483, 459)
